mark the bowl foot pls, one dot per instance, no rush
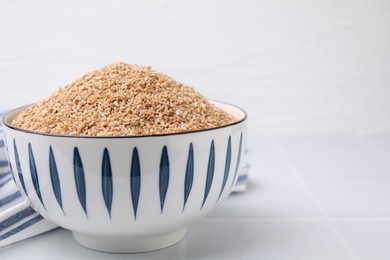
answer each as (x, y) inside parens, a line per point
(129, 244)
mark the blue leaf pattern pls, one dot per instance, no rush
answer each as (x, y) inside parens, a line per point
(55, 181)
(164, 176)
(227, 165)
(19, 168)
(107, 186)
(189, 174)
(12, 171)
(135, 175)
(135, 180)
(238, 160)
(34, 174)
(79, 179)
(210, 172)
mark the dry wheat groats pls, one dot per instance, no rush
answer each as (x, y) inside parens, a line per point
(120, 100)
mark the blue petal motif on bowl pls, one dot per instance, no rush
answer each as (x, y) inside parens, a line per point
(79, 179)
(189, 174)
(227, 165)
(164, 176)
(19, 168)
(107, 186)
(55, 181)
(34, 174)
(238, 160)
(10, 167)
(135, 180)
(210, 172)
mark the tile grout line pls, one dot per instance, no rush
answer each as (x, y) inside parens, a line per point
(349, 250)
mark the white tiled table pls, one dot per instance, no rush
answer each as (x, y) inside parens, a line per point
(308, 198)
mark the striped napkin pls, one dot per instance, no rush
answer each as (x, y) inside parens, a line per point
(18, 221)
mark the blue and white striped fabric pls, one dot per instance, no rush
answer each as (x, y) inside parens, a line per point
(242, 180)
(18, 221)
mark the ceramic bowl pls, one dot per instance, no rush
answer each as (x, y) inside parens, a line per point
(130, 193)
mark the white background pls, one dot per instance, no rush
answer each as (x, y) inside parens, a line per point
(298, 67)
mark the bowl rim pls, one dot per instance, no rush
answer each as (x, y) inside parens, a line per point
(8, 113)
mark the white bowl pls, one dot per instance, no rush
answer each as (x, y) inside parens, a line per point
(131, 193)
